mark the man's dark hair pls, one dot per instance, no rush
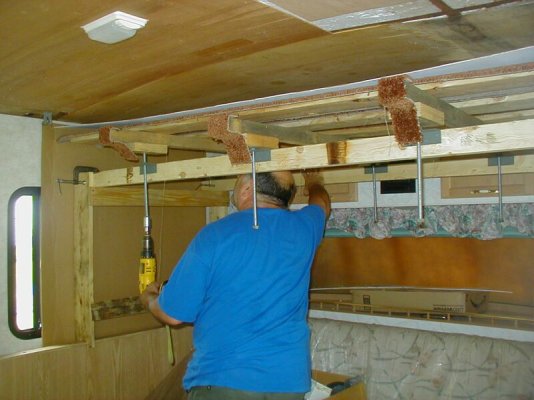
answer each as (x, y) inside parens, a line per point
(268, 185)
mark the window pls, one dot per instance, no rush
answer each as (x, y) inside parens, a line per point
(23, 258)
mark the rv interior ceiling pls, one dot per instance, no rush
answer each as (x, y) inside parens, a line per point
(195, 54)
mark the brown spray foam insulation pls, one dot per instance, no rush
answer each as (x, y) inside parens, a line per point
(392, 95)
(123, 150)
(236, 146)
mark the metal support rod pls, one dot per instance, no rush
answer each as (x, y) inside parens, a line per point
(146, 219)
(254, 192)
(420, 209)
(375, 201)
(499, 188)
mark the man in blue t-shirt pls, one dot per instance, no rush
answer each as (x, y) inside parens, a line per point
(245, 290)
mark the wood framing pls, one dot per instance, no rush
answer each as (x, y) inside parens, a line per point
(302, 134)
(454, 117)
(469, 141)
(296, 136)
(83, 262)
(134, 196)
(339, 113)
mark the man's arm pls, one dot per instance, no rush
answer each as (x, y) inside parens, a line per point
(316, 191)
(149, 298)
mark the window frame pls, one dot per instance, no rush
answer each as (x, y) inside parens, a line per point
(35, 331)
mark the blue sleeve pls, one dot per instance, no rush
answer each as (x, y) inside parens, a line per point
(183, 295)
(315, 218)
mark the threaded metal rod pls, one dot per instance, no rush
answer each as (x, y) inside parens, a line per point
(254, 191)
(375, 201)
(145, 187)
(420, 208)
(499, 188)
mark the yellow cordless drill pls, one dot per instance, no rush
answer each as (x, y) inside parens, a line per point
(147, 265)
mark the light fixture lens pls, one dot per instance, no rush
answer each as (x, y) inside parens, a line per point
(114, 27)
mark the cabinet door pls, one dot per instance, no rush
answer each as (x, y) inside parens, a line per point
(339, 193)
(487, 185)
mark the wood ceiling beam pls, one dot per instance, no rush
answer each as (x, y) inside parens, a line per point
(473, 140)
(148, 148)
(130, 136)
(454, 117)
(172, 141)
(407, 170)
(134, 196)
(260, 141)
(295, 136)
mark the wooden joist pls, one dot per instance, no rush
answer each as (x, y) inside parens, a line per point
(132, 136)
(296, 136)
(261, 142)
(448, 101)
(172, 141)
(473, 140)
(432, 168)
(134, 196)
(454, 117)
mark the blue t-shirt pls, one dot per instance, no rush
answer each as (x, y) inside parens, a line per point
(246, 291)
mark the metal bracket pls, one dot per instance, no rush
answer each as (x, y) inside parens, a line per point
(47, 118)
(262, 154)
(378, 169)
(505, 160)
(151, 168)
(430, 136)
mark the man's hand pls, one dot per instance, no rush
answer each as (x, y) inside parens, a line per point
(312, 177)
(318, 195)
(151, 293)
(149, 299)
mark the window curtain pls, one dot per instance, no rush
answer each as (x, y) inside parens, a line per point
(480, 221)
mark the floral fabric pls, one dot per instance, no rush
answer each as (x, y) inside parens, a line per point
(480, 221)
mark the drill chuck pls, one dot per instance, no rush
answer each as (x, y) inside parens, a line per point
(148, 247)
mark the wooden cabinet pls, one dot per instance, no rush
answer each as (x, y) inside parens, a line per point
(487, 185)
(339, 193)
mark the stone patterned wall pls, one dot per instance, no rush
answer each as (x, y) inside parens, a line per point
(398, 363)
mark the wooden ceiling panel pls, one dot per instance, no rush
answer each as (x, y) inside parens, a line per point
(350, 56)
(194, 54)
(49, 64)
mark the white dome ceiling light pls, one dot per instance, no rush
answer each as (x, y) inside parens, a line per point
(114, 27)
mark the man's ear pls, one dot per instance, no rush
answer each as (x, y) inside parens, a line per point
(244, 194)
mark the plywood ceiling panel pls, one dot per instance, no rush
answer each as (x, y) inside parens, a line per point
(193, 54)
(46, 58)
(350, 56)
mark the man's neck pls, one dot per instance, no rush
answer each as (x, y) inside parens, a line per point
(264, 203)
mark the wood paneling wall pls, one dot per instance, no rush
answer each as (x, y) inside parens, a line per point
(117, 239)
(502, 264)
(124, 367)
